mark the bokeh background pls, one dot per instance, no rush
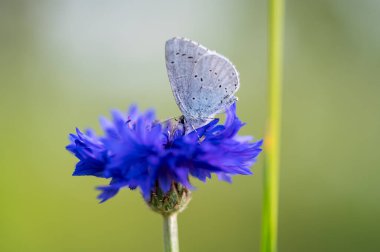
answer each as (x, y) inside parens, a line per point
(65, 63)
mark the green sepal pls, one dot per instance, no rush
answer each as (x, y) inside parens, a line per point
(174, 201)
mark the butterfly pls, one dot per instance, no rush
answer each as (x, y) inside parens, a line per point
(203, 82)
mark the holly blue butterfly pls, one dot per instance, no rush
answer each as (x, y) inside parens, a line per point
(203, 82)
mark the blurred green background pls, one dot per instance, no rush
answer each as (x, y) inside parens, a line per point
(64, 63)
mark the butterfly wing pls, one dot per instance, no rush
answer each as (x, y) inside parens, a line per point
(181, 55)
(212, 88)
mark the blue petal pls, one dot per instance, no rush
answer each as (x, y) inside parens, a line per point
(107, 192)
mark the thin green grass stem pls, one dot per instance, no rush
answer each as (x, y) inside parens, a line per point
(272, 136)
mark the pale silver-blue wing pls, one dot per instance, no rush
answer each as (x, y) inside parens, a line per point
(212, 87)
(181, 55)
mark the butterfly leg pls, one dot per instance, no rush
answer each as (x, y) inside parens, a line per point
(199, 137)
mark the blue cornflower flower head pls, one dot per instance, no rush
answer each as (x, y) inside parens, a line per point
(137, 151)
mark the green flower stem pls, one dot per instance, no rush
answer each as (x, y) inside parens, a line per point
(272, 138)
(171, 233)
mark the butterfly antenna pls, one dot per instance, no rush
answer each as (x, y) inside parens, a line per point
(171, 118)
